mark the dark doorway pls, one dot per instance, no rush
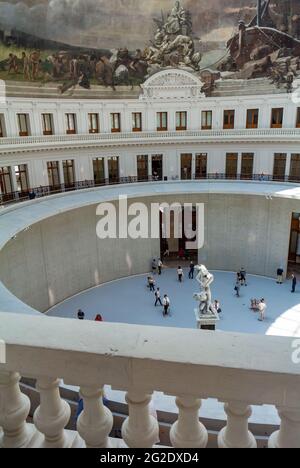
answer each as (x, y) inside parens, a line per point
(177, 247)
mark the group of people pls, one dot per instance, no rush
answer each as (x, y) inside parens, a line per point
(81, 316)
(280, 278)
(165, 303)
(157, 266)
(259, 305)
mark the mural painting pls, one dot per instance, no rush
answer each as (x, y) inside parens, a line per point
(88, 43)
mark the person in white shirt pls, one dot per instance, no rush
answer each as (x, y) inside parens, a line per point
(262, 306)
(180, 274)
(166, 304)
(159, 266)
(157, 297)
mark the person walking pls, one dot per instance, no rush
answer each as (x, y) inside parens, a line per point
(294, 283)
(192, 270)
(154, 266)
(280, 275)
(243, 276)
(237, 288)
(166, 305)
(180, 274)
(80, 315)
(262, 306)
(157, 297)
(159, 266)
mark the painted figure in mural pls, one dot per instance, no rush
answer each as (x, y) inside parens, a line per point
(12, 63)
(26, 66)
(34, 63)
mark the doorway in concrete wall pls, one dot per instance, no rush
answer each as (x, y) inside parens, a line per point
(294, 248)
(174, 239)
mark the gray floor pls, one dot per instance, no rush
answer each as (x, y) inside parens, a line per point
(129, 301)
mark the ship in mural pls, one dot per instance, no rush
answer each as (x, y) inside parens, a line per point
(265, 43)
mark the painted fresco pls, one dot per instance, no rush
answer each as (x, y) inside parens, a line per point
(87, 43)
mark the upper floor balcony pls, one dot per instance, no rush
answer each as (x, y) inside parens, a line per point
(36, 143)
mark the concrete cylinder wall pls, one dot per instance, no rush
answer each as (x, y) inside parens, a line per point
(62, 256)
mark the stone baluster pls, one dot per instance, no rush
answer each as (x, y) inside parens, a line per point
(96, 421)
(236, 434)
(141, 429)
(289, 434)
(53, 414)
(14, 410)
(188, 431)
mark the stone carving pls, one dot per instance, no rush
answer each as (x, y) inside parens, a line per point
(205, 279)
(173, 43)
(173, 84)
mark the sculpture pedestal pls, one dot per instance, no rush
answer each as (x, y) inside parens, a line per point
(206, 321)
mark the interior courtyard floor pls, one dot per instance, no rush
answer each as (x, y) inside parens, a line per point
(129, 301)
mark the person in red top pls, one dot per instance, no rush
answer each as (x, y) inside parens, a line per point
(98, 318)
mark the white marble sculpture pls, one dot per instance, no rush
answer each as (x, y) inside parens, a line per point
(205, 279)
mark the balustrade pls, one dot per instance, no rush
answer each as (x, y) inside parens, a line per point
(216, 365)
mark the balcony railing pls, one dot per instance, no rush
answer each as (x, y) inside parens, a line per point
(281, 134)
(239, 370)
(45, 191)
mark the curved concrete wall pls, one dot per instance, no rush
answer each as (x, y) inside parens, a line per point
(61, 256)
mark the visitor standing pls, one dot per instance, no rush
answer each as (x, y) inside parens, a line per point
(159, 266)
(80, 314)
(237, 288)
(151, 283)
(280, 275)
(294, 283)
(243, 276)
(157, 297)
(217, 306)
(180, 274)
(262, 306)
(166, 304)
(154, 266)
(192, 270)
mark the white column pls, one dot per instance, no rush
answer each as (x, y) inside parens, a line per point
(236, 433)
(53, 414)
(289, 434)
(14, 410)
(288, 165)
(61, 172)
(188, 431)
(96, 421)
(194, 166)
(140, 430)
(150, 166)
(239, 168)
(106, 174)
(13, 179)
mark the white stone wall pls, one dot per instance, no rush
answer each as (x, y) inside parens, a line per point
(263, 147)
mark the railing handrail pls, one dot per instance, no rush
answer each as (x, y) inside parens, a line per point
(133, 136)
(209, 364)
(47, 190)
